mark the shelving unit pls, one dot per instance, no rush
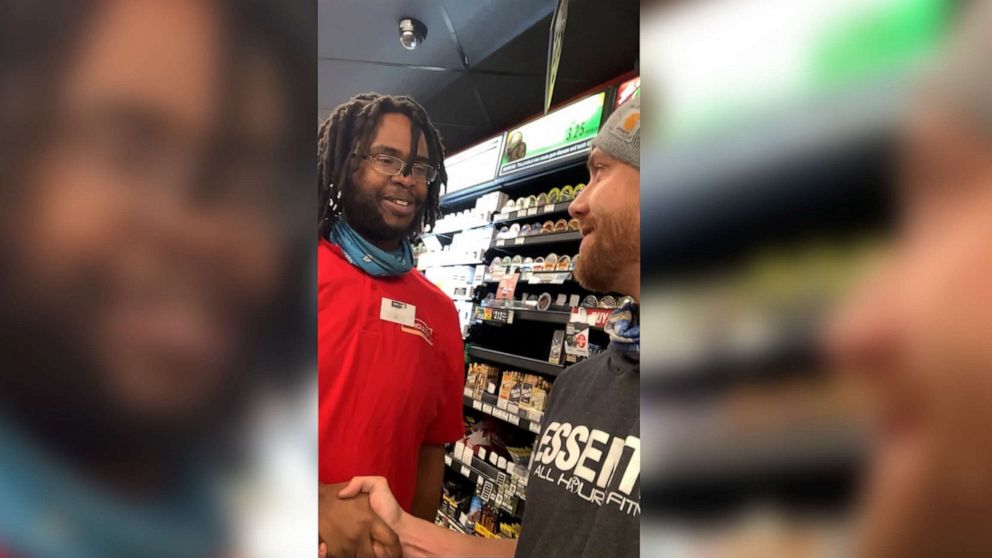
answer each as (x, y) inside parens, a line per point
(821, 177)
(537, 240)
(507, 412)
(560, 317)
(484, 475)
(508, 359)
(522, 214)
(541, 278)
(509, 338)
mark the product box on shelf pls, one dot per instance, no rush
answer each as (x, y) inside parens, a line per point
(455, 281)
(491, 202)
(464, 309)
(527, 391)
(557, 344)
(462, 220)
(482, 378)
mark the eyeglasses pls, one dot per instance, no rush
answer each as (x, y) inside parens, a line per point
(391, 166)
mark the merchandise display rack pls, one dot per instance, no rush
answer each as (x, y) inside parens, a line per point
(550, 238)
(514, 361)
(514, 337)
(547, 209)
(490, 481)
(561, 317)
(528, 420)
(829, 189)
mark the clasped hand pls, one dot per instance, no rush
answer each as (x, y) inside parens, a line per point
(358, 520)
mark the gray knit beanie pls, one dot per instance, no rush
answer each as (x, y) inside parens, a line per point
(621, 135)
(962, 75)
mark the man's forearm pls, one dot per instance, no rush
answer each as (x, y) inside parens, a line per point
(430, 477)
(420, 537)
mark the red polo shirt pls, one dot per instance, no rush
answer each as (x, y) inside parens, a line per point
(385, 388)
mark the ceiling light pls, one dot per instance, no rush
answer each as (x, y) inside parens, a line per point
(412, 33)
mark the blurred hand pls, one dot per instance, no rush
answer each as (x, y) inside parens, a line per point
(380, 498)
(349, 528)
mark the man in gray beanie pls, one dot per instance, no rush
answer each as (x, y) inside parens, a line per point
(917, 336)
(583, 491)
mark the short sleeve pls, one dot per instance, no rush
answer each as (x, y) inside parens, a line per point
(449, 425)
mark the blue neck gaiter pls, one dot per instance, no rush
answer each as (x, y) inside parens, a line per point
(49, 510)
(367, 256)
(624, 329)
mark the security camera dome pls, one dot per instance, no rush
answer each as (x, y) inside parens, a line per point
(412, 33)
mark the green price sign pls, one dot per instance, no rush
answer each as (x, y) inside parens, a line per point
(562, 134)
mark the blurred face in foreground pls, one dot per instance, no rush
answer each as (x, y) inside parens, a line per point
(143, 245)
(609, 211)
(918, 337)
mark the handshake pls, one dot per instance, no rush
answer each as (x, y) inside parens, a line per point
(359, 519)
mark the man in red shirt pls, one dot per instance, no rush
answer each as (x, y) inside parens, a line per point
(390, 356)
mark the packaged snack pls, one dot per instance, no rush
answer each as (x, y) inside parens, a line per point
(506, 385)
(557, 342)
(539, 396)
(515, 389)
(526, 388)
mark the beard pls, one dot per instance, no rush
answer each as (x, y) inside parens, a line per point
(363, 215)
(55, 385)
(616, 244)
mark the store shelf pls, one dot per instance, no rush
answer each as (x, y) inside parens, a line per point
(560, 317)
(449, 523)
(514, 181)
(523, 363)
(577, 161)
(479, 472)
(819, 166)
(452, 264)
(451, 232)
(531, 212)
(549, 238)
(792, 352)
(541, 278)
(702, 475)
(546, 316)
(507, 412)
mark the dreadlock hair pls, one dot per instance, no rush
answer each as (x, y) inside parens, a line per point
(349, 130)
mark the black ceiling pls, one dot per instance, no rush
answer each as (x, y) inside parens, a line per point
(505, 43)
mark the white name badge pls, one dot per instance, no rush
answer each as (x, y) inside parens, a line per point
(398, 312)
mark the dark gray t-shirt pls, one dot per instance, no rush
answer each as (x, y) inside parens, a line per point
(584, 490)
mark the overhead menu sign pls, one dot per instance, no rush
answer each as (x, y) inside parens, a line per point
(562, 134)
(475, 165)
(628, 90)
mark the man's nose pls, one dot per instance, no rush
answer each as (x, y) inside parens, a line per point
(405, 178)
(863, 331)
(579, 207)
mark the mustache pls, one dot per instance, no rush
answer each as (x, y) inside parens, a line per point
(589, 222)
(404, 195)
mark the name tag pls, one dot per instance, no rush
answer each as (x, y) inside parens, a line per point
(398, 312)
